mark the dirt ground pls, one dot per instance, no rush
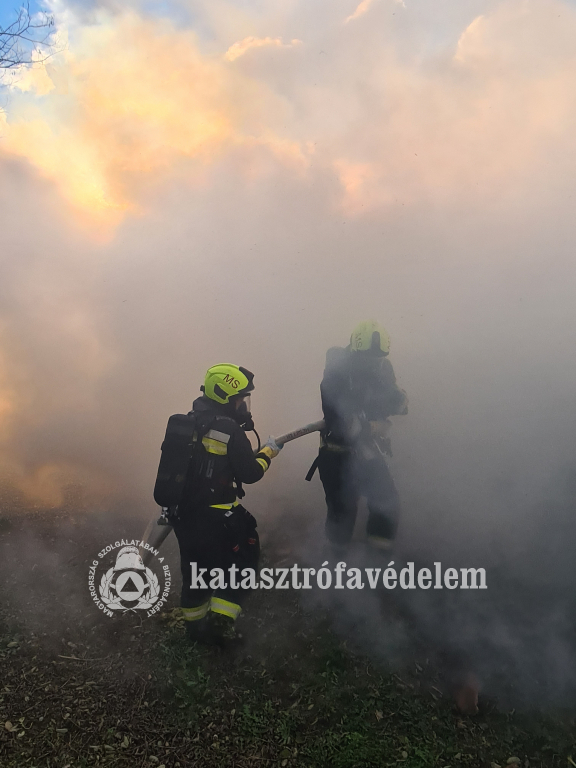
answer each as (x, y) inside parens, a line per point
(318, 683)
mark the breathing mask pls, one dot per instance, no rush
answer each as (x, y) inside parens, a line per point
(243, 414)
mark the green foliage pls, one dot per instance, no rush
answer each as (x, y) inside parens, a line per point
(339, 710)
(292, 699)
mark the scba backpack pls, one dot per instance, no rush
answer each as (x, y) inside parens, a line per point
(180, 446)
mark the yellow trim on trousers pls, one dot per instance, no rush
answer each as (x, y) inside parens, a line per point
(225, 607)
(196, 613)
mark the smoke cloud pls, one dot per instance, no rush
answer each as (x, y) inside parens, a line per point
(247, 183)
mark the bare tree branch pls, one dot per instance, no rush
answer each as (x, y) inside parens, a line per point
(25, 36)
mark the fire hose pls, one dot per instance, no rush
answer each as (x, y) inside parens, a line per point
(158, 529)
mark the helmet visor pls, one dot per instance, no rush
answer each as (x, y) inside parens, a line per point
(244, 404)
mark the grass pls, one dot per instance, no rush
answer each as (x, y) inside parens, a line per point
(300, 698)
(78, 690)
(327, 706)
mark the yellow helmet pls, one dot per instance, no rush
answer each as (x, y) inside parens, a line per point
(224, 381)
(370, 337)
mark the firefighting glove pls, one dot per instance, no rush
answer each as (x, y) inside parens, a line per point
(271, 448)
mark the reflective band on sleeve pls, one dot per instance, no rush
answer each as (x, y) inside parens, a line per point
(215, 446)
(263, 463)
(224, 506)
(217, 605)
(194, 614)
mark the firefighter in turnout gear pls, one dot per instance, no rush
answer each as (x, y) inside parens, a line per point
(213, 529)
(359, 393)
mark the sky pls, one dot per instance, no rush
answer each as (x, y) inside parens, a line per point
(301, 168)
(185, 183)
(312, 169)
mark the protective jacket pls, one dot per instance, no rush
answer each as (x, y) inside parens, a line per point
(357, 388)
(359, 393)
(224, 461)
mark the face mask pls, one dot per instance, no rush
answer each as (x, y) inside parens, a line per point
(244, 406)
(243, 415)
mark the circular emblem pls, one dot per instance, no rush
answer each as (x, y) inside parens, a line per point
(128, 585)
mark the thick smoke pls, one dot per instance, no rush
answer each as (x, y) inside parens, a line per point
(248, 192)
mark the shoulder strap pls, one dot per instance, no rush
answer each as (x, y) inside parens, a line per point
(202, 424)
(313, 468)
(239, 490)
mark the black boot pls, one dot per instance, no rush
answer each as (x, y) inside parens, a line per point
(198, 631)
(223, 632)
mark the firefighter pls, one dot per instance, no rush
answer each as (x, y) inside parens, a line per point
(213, 529)
(359, 394)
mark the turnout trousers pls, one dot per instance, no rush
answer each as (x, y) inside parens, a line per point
(214, 537)
(346, 477)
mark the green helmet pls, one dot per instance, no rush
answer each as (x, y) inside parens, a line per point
(369, 336)
(225, 381)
